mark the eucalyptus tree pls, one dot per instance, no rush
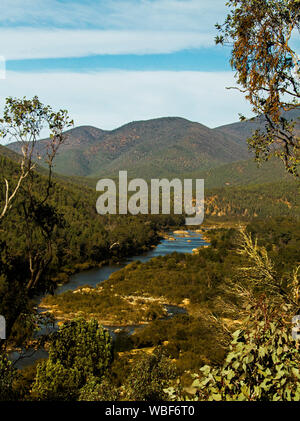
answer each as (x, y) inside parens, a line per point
(261, 33)
(22, 198)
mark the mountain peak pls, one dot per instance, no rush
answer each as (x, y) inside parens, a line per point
(165, 146)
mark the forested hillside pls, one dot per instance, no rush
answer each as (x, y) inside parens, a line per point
(261, 200)
(159, 147)
(82, 236)
(242, 173)
(165, 147)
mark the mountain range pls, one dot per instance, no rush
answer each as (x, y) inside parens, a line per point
(162, 147)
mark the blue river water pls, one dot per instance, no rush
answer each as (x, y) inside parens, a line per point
(180, 243)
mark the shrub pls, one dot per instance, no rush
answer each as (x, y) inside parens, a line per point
(79, 351)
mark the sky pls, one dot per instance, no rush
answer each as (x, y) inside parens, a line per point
(109, 62)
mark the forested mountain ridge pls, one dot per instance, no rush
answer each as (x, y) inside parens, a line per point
(163, 146)
(239, 199)
(239, 173)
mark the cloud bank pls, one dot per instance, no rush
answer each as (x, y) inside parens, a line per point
(109, 99)
(27, 43)
(176, 15)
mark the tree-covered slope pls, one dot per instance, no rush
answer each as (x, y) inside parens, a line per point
(159, 147)
(242, 173)
(82, 236)
(246, 202)
(165, 147)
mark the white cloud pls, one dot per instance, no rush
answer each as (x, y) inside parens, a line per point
(24, 43)
(167, 14)
(53, 28)
(110, 99)
(113, 14)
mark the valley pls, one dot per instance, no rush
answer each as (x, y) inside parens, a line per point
(151, 283)
(149, 206)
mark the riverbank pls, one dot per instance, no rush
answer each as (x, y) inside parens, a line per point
(132, 300)
(107, 309)
(121, 310)
(63, 276)
(87, 296)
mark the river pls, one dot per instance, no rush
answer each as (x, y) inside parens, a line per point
(93, 277)
(180, 243)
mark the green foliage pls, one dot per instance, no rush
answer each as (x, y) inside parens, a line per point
(95, 391)
(263, 359)
(262, 364)
(267, 69)
(23, 383)
(23, 121)
(7, 377)
(191, 340)
(79, 351)
(242, 173)
(270, 200)
(150, 375)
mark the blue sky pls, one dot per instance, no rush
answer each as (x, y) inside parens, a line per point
(114, 61)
